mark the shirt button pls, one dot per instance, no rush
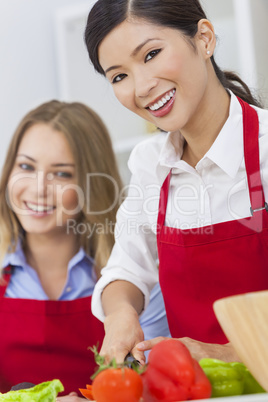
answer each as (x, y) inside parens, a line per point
(68, 289)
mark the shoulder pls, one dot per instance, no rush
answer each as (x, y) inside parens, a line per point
(146, 151)
(144, 159)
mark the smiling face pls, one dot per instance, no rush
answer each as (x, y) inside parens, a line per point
(157, 73)
(42, 187)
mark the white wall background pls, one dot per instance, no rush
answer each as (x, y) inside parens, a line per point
(32, 60)
(28, 67)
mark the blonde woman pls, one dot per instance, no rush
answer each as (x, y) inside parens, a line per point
(59, 193)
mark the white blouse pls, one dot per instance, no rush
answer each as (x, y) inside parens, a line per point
(214, 191)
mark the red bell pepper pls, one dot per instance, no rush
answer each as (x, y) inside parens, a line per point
(173, 375)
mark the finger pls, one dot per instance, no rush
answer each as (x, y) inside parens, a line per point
(119, 354)
(149, 344)
(139, 356)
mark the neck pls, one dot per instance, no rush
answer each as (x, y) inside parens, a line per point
(50, 256)
(211, 116)
(46, 253)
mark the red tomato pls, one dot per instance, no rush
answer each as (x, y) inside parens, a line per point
(117, 385)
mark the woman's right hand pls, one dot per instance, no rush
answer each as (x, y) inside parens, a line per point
(122, 333)
(122, 301)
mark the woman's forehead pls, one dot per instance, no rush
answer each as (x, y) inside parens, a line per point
(129, 37)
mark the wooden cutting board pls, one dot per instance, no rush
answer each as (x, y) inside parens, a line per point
(244, 320)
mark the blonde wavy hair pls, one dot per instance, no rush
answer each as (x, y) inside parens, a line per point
(93, 154)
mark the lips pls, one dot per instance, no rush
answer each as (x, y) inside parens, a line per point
(162, 101)
(162, 105)
(39, 209)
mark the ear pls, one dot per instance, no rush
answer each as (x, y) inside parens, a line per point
(206, 38)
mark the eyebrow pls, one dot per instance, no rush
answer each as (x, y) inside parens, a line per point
(133, 54)
(62, 164)
(54, 164)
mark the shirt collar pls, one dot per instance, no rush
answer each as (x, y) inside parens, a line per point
(170, 155)
(226, 151)
(78, 257)
(17, 258)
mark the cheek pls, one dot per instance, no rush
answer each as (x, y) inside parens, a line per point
(185, 69)
(174, 69)
(71, 200)
(10, 195)
(15, 188)
(124, 94)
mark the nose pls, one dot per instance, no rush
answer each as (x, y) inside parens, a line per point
(43, 185)
(144, 84)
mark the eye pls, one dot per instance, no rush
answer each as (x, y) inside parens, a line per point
(64, 175)
(118, 78)
(151, 55)
(26, 166)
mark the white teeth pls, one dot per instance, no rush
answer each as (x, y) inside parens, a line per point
(39, 208)
(162, 101)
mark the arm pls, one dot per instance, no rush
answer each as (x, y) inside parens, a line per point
(123, 290)
(133, 256)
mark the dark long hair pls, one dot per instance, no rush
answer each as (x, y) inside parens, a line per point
(177, 14)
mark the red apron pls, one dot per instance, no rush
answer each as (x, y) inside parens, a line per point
(44, 340)
(197, 267)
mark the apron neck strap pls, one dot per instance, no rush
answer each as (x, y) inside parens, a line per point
(252, 159)
(252, 164)
(163, 202)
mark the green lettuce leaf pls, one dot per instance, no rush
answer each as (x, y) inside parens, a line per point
(44, 392)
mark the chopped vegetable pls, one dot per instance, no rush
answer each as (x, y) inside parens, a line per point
(44, 392)
(229, 379)
(87, 393)
(173, 375)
